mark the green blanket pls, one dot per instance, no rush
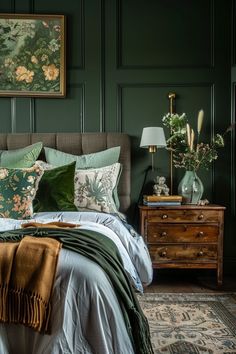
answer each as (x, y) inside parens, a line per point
(104, 252)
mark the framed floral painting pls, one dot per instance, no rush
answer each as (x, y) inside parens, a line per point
(32, 55)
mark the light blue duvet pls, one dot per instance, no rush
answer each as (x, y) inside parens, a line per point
(86, 316)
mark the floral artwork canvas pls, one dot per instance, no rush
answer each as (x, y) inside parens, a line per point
(32, 55)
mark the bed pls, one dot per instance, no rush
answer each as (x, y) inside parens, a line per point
(87, 316)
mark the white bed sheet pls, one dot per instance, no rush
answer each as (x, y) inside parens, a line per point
(86, 316)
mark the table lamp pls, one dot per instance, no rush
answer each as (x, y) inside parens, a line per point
(152, 139)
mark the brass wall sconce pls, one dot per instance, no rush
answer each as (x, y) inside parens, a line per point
(172, 97)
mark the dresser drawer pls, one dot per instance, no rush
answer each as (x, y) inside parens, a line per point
(183, 215)
(163, 233)
(183, 253)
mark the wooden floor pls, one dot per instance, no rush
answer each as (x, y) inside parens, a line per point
(190, 281)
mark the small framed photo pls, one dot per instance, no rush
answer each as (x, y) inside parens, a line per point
(32, 55)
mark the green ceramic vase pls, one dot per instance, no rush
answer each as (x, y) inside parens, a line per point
(191, 188)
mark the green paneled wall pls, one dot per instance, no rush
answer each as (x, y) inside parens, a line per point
(123, 58)
(165, 33)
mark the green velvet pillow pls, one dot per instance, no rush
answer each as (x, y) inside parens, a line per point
(56, 190)
(20, 158)
(17, 191)
(95, 160)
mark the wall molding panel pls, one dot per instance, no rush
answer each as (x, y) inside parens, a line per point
(233, 32)
(81, 38)
(131, 66)
(13, 115)
(32, 116)
(102, 68)
(82, 107)
(128, 103)
(233, 153)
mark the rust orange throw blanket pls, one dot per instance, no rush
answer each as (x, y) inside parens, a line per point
(27, 272)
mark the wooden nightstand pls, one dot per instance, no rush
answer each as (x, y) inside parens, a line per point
(186, 236)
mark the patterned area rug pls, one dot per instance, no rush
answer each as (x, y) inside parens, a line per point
(191, 323)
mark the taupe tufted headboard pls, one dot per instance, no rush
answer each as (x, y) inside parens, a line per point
(79, 144)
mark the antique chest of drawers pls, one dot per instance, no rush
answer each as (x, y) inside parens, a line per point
(186, 236)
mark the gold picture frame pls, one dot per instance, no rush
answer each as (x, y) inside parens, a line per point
(32, 55)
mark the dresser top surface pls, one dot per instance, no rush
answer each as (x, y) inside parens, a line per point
(184, 206)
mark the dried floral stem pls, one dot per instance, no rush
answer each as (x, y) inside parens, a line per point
(231, 127)
(199, 125)
(199, 121)
(188, 134)
(191, 140)
(200, 161)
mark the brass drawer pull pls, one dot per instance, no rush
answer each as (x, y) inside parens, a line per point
(163, 254)
(200, 254)
(163, 234)
(164, 216)
(200, 217)
(201, 234)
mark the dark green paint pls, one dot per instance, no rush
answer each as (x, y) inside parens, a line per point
(123, 58)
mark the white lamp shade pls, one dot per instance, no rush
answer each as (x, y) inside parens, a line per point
(153, 136)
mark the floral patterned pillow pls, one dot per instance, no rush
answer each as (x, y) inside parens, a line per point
(17, 190)
(94, 188)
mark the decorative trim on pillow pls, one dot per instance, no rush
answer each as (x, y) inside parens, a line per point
(44, 165)
(20, 158)
(94, 188)
(17, 190)
(95, 160)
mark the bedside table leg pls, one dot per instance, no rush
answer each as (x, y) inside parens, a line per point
(219, 276)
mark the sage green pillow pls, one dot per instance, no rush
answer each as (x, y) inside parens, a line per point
(20, 158)
(56, 190)
(95, 160)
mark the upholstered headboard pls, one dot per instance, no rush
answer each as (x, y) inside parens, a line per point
(79, 144)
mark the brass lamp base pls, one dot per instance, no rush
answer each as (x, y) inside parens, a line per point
(152, 148)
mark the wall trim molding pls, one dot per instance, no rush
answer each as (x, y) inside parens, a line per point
(212, 134)
(233, 35)
(31, 6)
(102, 69)
(81, 39)
(13, 5)
(13, 115)
(233, 147)
(32, 115)
(119, 108)
(82, 105)
(165, 84)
